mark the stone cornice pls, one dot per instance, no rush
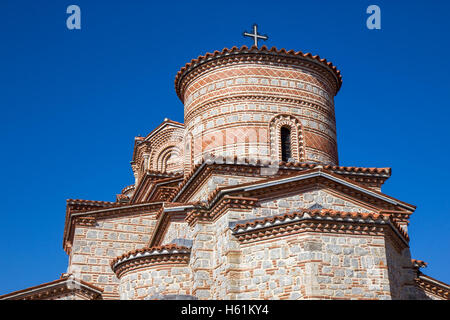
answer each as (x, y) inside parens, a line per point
(168, 254)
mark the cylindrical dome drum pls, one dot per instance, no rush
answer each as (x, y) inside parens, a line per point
(259, 104)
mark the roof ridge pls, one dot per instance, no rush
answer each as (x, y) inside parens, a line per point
(162, 124)
(89, 201)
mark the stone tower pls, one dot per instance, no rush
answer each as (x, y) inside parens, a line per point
(245, 102)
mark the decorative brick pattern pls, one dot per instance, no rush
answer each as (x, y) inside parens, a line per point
(229, 109)
(161, 151)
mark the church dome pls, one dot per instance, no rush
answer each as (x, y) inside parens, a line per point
(259, 104)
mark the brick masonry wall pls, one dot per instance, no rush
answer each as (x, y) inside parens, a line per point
(275, 78)
(95, 246)
(228, 111)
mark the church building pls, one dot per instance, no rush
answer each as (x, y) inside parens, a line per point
(244, 200)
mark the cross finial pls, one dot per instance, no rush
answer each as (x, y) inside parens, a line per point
(255, 35)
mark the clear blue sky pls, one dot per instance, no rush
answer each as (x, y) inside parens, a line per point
(73, 101)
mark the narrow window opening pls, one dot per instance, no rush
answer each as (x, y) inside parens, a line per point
(285, 144)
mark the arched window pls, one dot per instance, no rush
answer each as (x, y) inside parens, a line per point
(286, 153)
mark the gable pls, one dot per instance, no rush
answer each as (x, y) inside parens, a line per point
(312, 198)
(215, 181)
(176, 231)
(161, 150)
(166, 149)
(280, 186)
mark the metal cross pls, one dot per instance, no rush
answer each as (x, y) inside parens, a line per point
(255, 35)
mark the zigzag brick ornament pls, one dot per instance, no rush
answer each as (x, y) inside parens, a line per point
(244, 200)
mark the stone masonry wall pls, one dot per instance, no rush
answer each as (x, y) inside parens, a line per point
(95, 246)
(306, 199)
(401, 273)
(202, 252)
(310, 265)
(177, 230)
(228, 257)
(215, 259)
(315, 266)
(151, 282)
(216, 181)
